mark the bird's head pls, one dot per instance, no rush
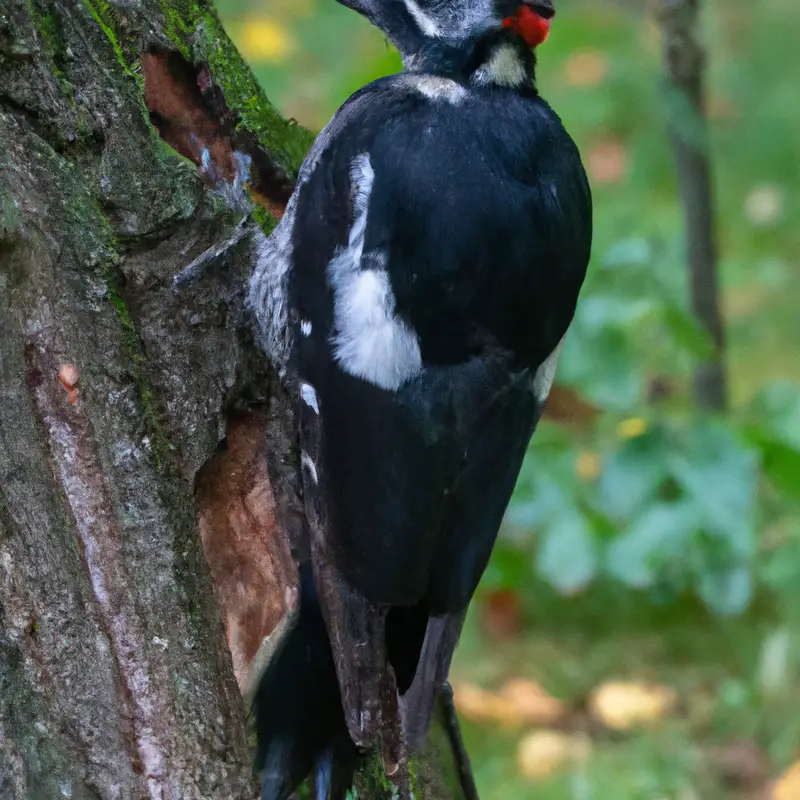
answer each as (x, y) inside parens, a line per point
(414, 24)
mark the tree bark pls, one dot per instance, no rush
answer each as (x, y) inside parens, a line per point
(688, 128)
(148, 470)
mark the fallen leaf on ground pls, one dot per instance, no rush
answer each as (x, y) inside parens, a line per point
(607, 162)
(542, 753)
(478, 705)
(521, 702)
(533, 703)
(586, 68)
(623, 706)
(788, 785)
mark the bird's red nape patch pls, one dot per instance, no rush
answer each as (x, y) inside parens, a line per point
(533, 28)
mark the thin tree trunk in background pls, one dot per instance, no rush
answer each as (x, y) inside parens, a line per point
(684, 60)
(148, 476)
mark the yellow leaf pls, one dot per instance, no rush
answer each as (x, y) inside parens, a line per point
(586, 69)
(607, 161)
(623, 706)
(533, 704)
(631, 428)
(263, 39)
(479, 705)
(788, 785)
(588, 466)
(542, 753)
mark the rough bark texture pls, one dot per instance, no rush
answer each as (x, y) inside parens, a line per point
(688, 127)
(147, 467)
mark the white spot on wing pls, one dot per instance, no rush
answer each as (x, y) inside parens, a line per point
(427, 25)
(309, 466)
(546, 374)
(309, 395)
(305, 327)
(504, 68)
(369, 341)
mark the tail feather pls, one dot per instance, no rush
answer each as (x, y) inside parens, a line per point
(297, 708)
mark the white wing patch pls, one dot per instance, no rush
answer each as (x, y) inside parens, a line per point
(546, 374)
(369, 340)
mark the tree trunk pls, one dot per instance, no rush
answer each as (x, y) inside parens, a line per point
(148, 476)
(688, 128)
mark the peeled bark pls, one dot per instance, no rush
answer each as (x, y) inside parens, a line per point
(148, 470)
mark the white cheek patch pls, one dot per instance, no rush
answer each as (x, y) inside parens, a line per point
(369, 340)
(546, 374)
(437, 88)
(504, 68)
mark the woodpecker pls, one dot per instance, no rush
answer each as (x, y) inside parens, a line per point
(416, 293)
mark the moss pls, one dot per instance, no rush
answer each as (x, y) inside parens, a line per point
(196, 32)
(372, 782)
(10, 215)
(159, 442)
(51, 34)
(264, 219)
(101, 12)
(178, 30)
(287, 142)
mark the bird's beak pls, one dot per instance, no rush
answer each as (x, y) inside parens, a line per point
(544, 8)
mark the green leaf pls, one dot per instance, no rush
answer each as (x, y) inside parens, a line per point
(719, 474)
(658, 536)
(729, 591)
(778, 410)
(509, 567)
(633, 253)
(632, 475)
(613, 311)
(688, 334)
(567, 556)
(602, 367)
(780, 462)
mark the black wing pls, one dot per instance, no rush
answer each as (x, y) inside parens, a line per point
(477, 217)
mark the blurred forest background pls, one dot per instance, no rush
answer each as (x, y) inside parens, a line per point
(637, 634)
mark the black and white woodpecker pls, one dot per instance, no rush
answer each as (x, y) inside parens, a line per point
(417, 292)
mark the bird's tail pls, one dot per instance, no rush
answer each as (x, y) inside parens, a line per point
(297, 707)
